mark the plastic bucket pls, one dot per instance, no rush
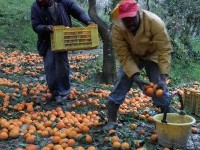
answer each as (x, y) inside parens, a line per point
(175, 132)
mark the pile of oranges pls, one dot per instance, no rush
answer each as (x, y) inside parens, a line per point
(151, 89)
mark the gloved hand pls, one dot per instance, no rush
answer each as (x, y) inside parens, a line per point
(90, 23)
(49, 28)
(139, 82)
(162, 82)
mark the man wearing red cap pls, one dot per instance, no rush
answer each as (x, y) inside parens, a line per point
(140, 40)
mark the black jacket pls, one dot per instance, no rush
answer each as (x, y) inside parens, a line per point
(41, 18)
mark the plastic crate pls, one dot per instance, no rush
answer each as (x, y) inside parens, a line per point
(197, 110)
(190, 97)
(75, 38)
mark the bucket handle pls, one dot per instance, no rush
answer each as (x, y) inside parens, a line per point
(181, 112)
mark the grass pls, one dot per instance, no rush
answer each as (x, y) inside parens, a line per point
(184, 72)
(15, 25)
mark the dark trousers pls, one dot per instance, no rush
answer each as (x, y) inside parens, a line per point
(57, 71)
(123, 84)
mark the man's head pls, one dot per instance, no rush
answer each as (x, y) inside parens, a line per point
(43, 3)
(128, 13)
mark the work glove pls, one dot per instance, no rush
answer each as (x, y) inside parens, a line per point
(90, 23)
(162, 82)
(139, 81)
(49, 28)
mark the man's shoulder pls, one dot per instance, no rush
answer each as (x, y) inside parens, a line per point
(34, 4)
(151, 16)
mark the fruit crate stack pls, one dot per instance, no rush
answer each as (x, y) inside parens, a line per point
(192, 100)
(197, 110)
(74, 38)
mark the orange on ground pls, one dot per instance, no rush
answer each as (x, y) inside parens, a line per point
(125, 146)
(55, 139)
(154, 138)
(71, 142)
(3, 135)
(13, 133)
(88, 138)
(91, 148)
(116, 145)
(31, 147)
(133, 126)
(115, 139)
(30, 139)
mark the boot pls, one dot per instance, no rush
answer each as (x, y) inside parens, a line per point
(112, 116)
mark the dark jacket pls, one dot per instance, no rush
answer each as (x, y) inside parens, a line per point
(41, 18)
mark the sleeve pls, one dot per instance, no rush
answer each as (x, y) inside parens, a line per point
(124, 55)
(36, 23)
(77, 12)
(163, 46)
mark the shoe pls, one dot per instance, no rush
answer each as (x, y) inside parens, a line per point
(59, 99)
(112, 116)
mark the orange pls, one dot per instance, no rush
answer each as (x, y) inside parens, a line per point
(111, 132)
(91, 148)
(19, 148)
(115, 139)
(60, 125)
(85, 129)
(150, 119)
(45, 148)
(125, 146)
(57, 147)
(154, 138)
(80, 148)
(159, 93)
(194, 130)
(133, 126)
(31, 147)
(3, 135)
(72, 134)
(47, 123)
(88, 139)
(116, 145)
(30, 139)
(55, 139)
(14, 133)
(150, 91)
(166, 148)
(71, 142)
(68, 148)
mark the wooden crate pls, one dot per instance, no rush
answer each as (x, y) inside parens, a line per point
(197, 109)
(190, 98)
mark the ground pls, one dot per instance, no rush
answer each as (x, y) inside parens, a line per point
(25, 103)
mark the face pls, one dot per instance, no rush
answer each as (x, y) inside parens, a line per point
(43, 2)
(132, 23)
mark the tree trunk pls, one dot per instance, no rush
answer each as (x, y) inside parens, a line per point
(109, 64)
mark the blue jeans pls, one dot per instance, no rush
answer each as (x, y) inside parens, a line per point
(123, 84)
(56, 66)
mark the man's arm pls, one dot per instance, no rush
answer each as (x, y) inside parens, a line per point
(121, 47)
(163, 46)
(77, 12)
(36, 23)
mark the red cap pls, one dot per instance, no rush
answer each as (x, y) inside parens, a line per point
(128, 8)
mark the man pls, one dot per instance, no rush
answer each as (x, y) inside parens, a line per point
(140, 40)
(44, 15)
